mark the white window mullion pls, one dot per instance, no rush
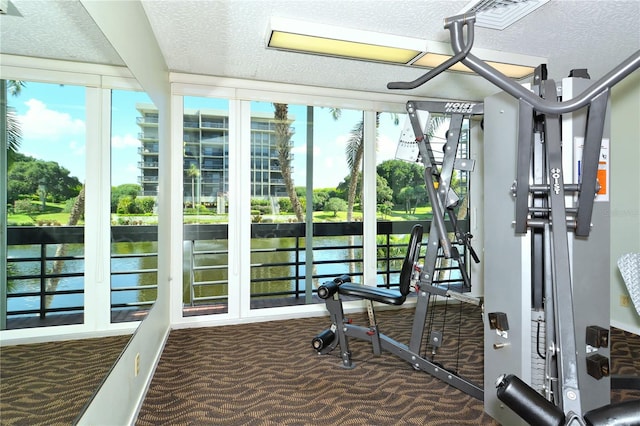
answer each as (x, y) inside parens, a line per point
(173, 194)
(369, 190)
(239, 288)
(97, 232)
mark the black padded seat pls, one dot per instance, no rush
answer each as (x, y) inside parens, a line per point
(382, 295)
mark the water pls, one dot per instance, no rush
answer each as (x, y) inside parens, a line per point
(272, 271)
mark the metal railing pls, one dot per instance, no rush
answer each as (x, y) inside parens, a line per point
(41, 240)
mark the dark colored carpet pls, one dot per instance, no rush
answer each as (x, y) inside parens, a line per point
(267, 374)
(49, 383)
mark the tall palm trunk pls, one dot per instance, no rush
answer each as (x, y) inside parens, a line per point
(355, 151)
(283, 138)
(74, 217)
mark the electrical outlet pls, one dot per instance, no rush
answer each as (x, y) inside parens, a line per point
(136, 365)
(624, 301)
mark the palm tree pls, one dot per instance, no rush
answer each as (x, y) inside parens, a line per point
(354, 152)
(74, 217)
(14, 131)
(283, 146)
(193, 173)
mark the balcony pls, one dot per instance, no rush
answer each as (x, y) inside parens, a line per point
(147, 120)
(148, 150)
(148, 179)
(148, 164)
(147, 136)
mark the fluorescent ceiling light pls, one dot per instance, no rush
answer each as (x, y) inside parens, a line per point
(499, 14)
(297, 36)
(288, 34)
(510, 64)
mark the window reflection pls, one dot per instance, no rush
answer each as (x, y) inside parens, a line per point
(134, 195)
(45, 197)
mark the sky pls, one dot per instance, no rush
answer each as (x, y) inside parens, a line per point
(53, 123)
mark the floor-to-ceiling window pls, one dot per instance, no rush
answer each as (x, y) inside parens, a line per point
(205, 170)
(402, 194)
(275, 199)
(45, 200)
(337, 156)
(133, 207)
(303, 228)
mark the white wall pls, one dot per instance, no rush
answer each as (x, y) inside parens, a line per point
(625, 192)
(121, 394)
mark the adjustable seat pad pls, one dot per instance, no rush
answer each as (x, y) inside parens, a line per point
(382, 295)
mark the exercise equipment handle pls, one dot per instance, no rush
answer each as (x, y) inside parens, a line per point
(462, 49)
(468, 20)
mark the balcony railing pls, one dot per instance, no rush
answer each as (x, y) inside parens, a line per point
(147, 120)
(282, 263)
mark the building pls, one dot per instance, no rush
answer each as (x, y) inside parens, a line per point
(206, 152)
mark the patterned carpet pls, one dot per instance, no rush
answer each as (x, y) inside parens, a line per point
(49, 383)
(267, 374)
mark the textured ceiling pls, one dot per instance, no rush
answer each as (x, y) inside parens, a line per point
(55, 30)
(227, 38)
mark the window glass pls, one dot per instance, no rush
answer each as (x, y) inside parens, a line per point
(402, 195)
(45, 200)
(134, 194)
(338, 153)
(287, 142)
(205, 205)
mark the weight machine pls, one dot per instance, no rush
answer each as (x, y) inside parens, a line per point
(555, 216)
(415, 146)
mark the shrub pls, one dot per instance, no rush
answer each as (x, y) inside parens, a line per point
(126, 205)
(25, 206)
(145, 204)
(285, 205)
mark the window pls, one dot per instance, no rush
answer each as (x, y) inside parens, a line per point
(134, 191)
(45, 194)
(300, 174)
(402, 194)
(205, 206)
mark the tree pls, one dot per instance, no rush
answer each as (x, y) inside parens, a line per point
(354, 152)
(117, 192)
(335, 205)
(384, 194)
(14, 130)
(405, 196)
(400, 174)
(27, 174)
(283, 146)
(411, 197)
(77, 211)
(320, 197)
(193, 173)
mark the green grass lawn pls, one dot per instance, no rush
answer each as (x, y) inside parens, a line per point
(50, 214)
(53, 214)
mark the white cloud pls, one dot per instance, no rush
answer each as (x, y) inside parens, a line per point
(341, 140)
(124, 141)
(386, 148)
(40, 122)
(299, 149)
(77, 149)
